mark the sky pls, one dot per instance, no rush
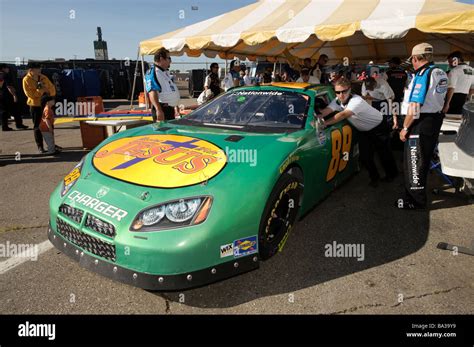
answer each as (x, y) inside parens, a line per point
(48, 29)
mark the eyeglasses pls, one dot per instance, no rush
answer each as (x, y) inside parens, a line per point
(342, 91)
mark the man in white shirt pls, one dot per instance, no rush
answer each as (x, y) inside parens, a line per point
(374, 133)
(244, 75)
(245, 78)
(460, 84)
(376, 90)
(232, 79)
(163, 92)
(380, 95)
(316, 70)
(307, 78)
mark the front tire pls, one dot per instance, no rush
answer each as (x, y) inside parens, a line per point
(279, 215)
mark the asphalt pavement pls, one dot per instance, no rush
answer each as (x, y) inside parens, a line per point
(402, 271)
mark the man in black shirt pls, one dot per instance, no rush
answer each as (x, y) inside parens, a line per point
(7, 76)
(3, 100)
(9, 102)
(396, 78)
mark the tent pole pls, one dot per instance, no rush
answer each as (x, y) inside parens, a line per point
(143, 80)
(377, 57)
(134, 78)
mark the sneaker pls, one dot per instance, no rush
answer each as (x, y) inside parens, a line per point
(22, 127)
(405, 204)
(41, 150)
(58, 148)
(7, 129)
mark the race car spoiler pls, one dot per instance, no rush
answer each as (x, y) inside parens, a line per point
(149, 281)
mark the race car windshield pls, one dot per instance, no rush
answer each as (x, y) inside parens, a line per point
(254, 108)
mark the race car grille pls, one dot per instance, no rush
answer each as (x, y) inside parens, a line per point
(86, 242)
(71, 212)
(100, 226)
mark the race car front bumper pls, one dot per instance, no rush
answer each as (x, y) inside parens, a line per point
(153, 281)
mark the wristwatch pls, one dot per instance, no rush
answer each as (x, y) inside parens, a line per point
(405, 128)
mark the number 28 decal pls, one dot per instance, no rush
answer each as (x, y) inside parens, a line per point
(341, 147)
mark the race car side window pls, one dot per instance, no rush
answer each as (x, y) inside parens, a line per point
(321, 101)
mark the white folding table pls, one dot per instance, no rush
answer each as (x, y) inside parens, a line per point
(113, 126)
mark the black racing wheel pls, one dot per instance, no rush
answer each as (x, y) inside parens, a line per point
(279, 215)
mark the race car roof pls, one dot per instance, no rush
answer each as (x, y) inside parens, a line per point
(293, 85)
(288, 85)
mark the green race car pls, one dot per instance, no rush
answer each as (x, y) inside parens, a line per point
(183, 203)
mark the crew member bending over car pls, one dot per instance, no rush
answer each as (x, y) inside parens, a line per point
(374, 134)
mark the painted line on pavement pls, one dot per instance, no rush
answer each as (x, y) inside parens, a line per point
(23, 257)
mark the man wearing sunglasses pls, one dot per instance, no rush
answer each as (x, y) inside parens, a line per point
(426, 96)
(163, 92)
(374, 133)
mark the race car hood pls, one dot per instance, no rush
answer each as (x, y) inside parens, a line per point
(175, 156)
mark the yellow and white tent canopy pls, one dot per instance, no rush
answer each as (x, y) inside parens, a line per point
(357, 29)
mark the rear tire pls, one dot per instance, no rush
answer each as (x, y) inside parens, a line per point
(279, 215)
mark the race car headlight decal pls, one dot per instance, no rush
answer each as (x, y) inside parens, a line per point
(153, 216)
(71, 178)
(182, 210)
(173, 214)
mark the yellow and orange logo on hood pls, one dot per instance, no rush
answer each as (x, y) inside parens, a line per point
(162, 161)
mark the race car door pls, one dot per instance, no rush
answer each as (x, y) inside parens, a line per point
(337, 140)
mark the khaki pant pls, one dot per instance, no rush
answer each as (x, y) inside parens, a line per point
(49, 139)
